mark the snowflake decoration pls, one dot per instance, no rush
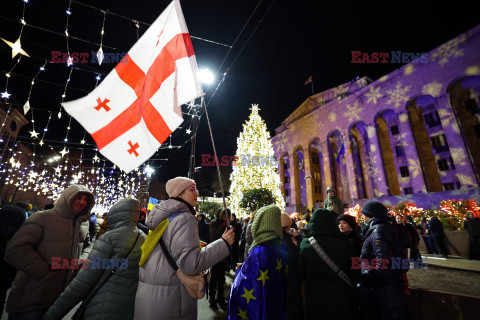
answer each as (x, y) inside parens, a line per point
(447, 119)
(408, 70)
(448, 50)
(432, 88)
(338, 91)
(374, 95)
(398, 95)
(353, 111)
(472, 71)
(414, 167)
(371, 131)
(372, 170)
(332, 117)
(465, 180)
(458, 156)
(383, 79)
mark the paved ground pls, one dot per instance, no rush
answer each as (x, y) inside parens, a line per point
(452, 262)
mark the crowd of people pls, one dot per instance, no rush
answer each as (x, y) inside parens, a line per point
(130, 264)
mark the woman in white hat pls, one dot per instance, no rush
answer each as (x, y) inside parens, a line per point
(160, 293)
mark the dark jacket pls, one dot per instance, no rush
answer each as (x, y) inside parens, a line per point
(116, 298)
(203, 230)
(473, 227)
(387, 300)
(327, 296)
(11, 219)
(435, 227)
(58, 232)
(294, 309)
(217, 227)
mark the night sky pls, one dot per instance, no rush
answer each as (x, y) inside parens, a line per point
(295, 40)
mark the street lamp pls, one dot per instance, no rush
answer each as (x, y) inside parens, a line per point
(206, 76)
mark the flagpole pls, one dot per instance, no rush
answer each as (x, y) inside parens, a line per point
(191, 169)
(217, 164)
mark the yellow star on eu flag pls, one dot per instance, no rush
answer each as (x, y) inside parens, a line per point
(242, 314)
(279, 265)
(263, 276)
(248, 295)
(286, 269)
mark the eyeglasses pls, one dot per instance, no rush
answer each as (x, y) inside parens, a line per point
(193, 189)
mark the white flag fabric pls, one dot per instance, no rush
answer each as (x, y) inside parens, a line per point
(137, 106)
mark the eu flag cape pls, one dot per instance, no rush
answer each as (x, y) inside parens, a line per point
(259, 289)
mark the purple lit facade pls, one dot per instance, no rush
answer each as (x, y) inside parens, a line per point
(412, 135)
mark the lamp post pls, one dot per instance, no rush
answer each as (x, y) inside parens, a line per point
(206, 77)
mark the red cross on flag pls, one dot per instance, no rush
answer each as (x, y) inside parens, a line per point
(137, 106)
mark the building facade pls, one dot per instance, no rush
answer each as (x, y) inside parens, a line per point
(413, 132)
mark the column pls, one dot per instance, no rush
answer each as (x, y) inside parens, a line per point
(308, 178)
(294, 176)
(352, 181)
(458, 150)
(375, 164)
(327, 172)
(363, 154)
(414, 165)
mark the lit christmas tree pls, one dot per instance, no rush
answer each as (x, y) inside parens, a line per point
(256, 166)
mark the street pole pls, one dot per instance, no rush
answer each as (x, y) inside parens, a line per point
(193, 139)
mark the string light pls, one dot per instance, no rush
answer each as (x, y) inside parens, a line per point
(64, 92)
(5, 94)
(26, 106)
(100, 50)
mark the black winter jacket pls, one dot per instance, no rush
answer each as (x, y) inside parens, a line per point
(381, 241)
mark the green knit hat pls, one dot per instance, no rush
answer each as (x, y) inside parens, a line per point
(267, 225)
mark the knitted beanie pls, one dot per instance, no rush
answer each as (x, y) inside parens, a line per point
(177, 185)
(286, 220)
(348, 219)
(267, 225)
(374, 209)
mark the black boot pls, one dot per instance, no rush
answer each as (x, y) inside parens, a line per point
(221, 302)
(213, 303)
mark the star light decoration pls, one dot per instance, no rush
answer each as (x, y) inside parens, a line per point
(16, 47)
(64, 152)
(6, 95)
(33, 134)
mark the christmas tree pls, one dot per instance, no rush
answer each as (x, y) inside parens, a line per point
(256, 166)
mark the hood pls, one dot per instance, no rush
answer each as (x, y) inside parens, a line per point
(125, 212)
(163, 210)
(323, 223)
(64, 204)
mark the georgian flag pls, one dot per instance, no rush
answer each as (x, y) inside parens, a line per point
(137, 106)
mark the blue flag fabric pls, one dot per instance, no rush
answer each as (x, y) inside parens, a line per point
(342, 151)
(259, 289)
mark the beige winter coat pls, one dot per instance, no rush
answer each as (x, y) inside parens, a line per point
(160, 294)
(56, 232)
